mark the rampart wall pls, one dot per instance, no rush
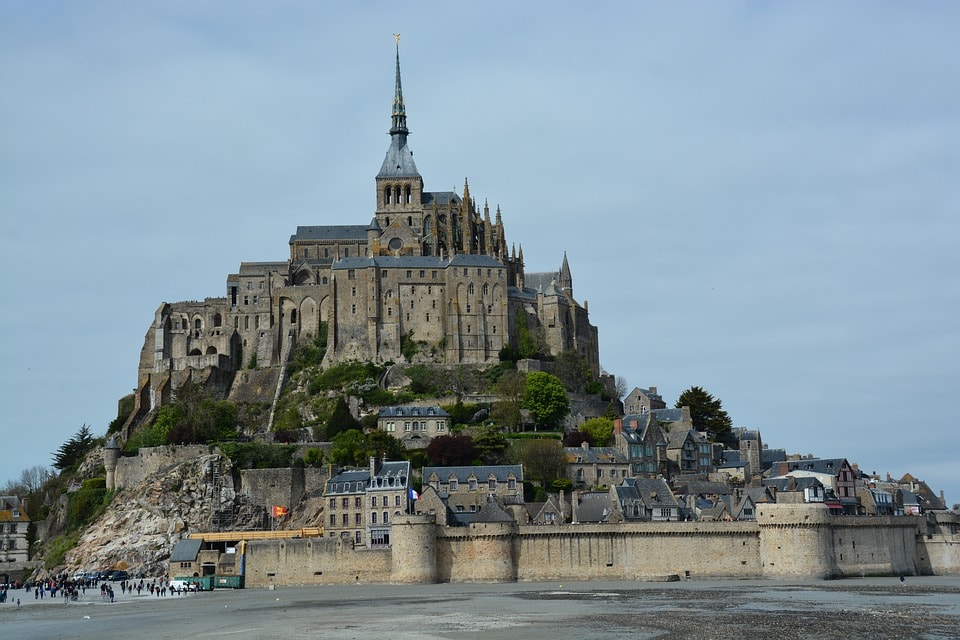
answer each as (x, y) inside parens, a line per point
(787, 542)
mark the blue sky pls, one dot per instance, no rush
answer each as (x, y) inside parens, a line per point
(757, 198)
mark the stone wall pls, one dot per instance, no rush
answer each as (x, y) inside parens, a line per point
(299, 561)
(787, 542)
(133, 470)
(282, 487)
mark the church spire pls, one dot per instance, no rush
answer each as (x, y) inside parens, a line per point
(399, 120)
(399, 160)
(566, 280)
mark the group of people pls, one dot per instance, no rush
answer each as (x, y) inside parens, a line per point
(72, 588)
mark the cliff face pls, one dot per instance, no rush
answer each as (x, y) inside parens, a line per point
(139, 529)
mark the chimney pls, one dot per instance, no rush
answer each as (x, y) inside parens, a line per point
(618, 426)
(373, 466)
(585, 445)
(653, 391)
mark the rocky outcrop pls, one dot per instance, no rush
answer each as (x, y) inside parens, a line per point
(143, 523)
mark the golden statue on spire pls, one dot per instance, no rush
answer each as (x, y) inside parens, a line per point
(396, 38)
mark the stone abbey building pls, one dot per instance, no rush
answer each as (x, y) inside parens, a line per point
(433, 268)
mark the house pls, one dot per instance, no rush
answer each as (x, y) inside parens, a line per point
(415, 427)
(696, 496)
(595, 466)
(547, 512)
(641, 401)
(877, 502)
(465, 489)
(834, 473)
(734, 465)
(362, 502)
(794, 490)
(689, 452)
(594, 507)
(14, 523)
(645, 499)
(751, 450)
(644, 442)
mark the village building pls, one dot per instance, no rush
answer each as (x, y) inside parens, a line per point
(465, 489)
(361, 503)
(596, 467)
(415, 427)
(14, 524)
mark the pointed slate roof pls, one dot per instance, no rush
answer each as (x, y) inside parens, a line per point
(398, 162)
(493, 512)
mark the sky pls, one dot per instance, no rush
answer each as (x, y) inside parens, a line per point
(758, 198)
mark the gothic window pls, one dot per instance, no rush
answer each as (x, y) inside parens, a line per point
(236, 322)
(395, 244)
(470, 289)
(217, 320)
(396, 192)
(197, 324)
(386, 199)
(407, 193)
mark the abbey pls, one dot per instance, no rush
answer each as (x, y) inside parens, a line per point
(430, 270)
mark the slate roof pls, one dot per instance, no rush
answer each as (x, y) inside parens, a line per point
(594, 507)
(398, 163)
(499, 471)
(654, 493)
(595, 455)
(791, 483)
(731, 459)
(418, 262)
(493, 512)
(440, 198)
(702, 487)
(413, 412)
(351, 232)
(541, 281)
(348, 481)
(185, 550)
(830, 466)
(668, 415)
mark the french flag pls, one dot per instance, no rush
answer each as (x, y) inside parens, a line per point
(412, 493)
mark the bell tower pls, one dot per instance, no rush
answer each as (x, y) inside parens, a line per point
(399, 184)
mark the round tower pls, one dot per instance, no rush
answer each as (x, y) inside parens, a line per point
(414, 549)
(110, 454)
(796, 541)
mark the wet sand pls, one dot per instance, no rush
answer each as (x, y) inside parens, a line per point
(922, 607)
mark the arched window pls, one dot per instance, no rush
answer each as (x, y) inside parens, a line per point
(486, 290)
(396, 193)
(184, 324)
(293, 316)
(410, 221)
(197, 324)
(217, 320)
(386, 198)
(407, 195)
(211, 351)
(470, 289)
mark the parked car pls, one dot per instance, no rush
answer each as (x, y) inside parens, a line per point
(118, 575)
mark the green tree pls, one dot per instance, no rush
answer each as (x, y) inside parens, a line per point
(509, 389)
(452, 450)
(572, 370)
(349, 448)
(313, 457)
(707, 414)
(341, 420)
(491, 446)
(543, 460)
(71, 453)
(381, 444)
(600, 430)
(546, 398)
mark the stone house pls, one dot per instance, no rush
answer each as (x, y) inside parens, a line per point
(641, 438)
(644, 499)
(689, 452)
(360, 503)
(834, 473)
(415, 427)
(640, 401)
(595, 466)
(465, 489)
(14, 523)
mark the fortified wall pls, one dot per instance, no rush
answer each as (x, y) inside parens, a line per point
(786, 542)
(132, 470)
